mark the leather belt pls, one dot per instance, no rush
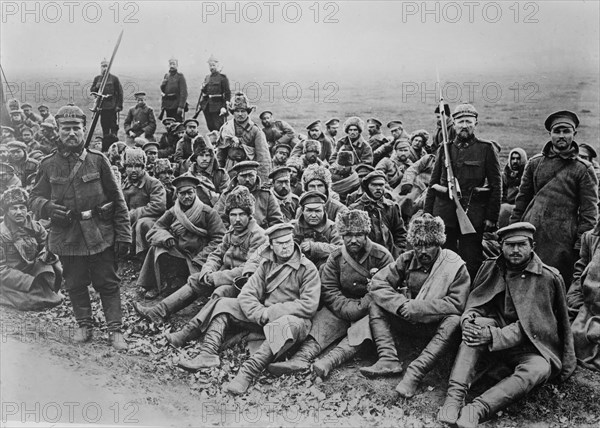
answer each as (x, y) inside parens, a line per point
(215, 96)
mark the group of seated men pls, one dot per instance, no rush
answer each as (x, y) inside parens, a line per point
(312, 252)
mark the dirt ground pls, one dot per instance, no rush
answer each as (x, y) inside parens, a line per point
(48, 380)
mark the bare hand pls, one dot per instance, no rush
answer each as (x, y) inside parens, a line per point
(475, 335)
(170, 243)
(403, 310)
(305, 246)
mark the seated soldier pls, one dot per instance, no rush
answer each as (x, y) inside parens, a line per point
(281, 155)
(395, 165)
(310, 154)
(203, 165)
(422, 293)
(345, 279)
(516, 313)
(163, 170)
(18, 158)
(280, 298)
(30, 275)
(386, 219)
(145, 197)
(46, 138)
(296, 169)
(362, 170)
(189, 231)
(168, 140)
(583, 299)
(151, 150)
(8, 178)
(317, 177)
(314, 233)
(413, 187)
(282, 191)
(344, 180)
(221, 268)
(267, 212)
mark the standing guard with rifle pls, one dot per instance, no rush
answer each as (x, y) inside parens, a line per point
(465, 188)
(214, 96)
(174, 93)
(107, 85)
(140, 119)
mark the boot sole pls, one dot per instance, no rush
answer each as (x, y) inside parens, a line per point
(278, 370)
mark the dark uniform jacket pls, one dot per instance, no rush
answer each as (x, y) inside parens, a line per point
(475, 166)
(146, 198)
(324, 239)
(94, 184)
(344, 289)
(113, 88)
(377, 140)
(140, 120)
(280, 132)
(25, 168)
(215, 92)
(175, 89)
(360, 148)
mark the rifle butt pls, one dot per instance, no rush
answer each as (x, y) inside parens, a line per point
(465, 225)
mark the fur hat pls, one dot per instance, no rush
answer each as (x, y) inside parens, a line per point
(162, 165)
(420, 133)
(353, 221)
(239, 100)
(134, 156)
(117, 148)
(345, 158)
(316, 172)
(12, 196)
(426, 230)
(295, 162)
(240, 197)
(312, 146)
(13, 104)
(200, 145)
(140, 141)
(354, 121)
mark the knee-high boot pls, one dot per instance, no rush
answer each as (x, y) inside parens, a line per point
(209, 349)
(301, 360)
(335, 358)
(168, 306)
(447, 333)
(250, 369)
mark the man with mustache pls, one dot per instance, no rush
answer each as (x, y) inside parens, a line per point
(277, 131)
(395, 165)
(19, 159)
(376, 137)
(45, 114)
(422, 293)
(281, 154)
(140, 119)
(345, 279)
(203, 165)
(214, 95)
(222, 269)
(332, 127)
(46, 138)
(112, 104)
(558, 195)
(398, 134)
(145, 197)
(163, 170)
(313, 231)
(318, 178)
(90, 229)
(477, 170)
(516, 315)
(181, 238)
(282, 191)
(174, 92)
(315, 133)
(387, 224)
(354, 142)
(185, 145)
(30, 275)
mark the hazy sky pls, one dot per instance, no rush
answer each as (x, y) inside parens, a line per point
(359, 38)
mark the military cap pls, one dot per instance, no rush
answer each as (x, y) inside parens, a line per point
(279, 230)
(7, 168)
(363, 169)
(465, 109)
(26, 105)
(139, 94)
(590, 150)
(185, 123)
(394, 124)
(374, 121)
(8, 129)
(150, 144)
(313, 124)
(446, 109)
(41, 106)
(177, 127)
(47, 125)
(312, 197)
(516, 232)
(260, 116)
(332, 121)
(373, 175)
(185, 180)
(564, 118)
(70, 113)
(17, 144)
(278, 172)
(244, 166)
(401, 142)
(282, 146)
(14, 195)
(167, 121)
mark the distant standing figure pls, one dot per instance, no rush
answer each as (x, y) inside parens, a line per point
(214, 95)
(175, 93)
(112, 104)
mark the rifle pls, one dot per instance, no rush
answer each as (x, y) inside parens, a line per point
(100, 97)
(466, 227)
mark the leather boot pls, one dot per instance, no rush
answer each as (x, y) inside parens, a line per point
(250, 369)
(461, 378)
(300, 361)
(388, 363)
(168, 306)
(335, 358)
(189, 332)
(471, 414)
(209, 349)
(447, 332)
(117, 341)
